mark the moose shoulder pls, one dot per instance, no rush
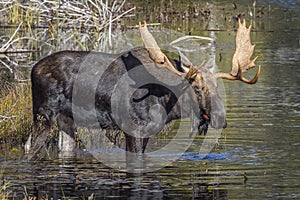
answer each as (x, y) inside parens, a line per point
(55, 84)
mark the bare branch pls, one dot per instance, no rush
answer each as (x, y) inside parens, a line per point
(191, 37)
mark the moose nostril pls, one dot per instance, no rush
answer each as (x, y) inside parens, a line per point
(205, 116)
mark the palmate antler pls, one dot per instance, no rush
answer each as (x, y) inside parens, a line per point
(159, 57)
(241, 61)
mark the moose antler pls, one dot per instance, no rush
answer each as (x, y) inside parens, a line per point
(241, 61)
(157, 55)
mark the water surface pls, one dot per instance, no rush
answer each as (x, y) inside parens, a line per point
(258, 153)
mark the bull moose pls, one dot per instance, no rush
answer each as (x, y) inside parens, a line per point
(54, 79)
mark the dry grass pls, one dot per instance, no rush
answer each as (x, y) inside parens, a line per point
(15, 113)
(4, 192)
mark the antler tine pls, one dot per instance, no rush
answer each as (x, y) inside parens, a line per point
(252, 81)
(241, 61)
(154, 51)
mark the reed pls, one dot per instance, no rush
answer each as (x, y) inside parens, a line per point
(15, 113)
(84, 18)
(50, 26)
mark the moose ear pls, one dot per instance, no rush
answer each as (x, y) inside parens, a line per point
(185, 62)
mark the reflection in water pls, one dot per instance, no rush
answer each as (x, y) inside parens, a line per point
(83, 177)
(257, 156)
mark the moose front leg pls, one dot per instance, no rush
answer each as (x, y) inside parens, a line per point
(66, 140)
(135, 145)
(135, 148)
(35, 147)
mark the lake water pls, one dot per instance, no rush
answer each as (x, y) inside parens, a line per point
(258, 153)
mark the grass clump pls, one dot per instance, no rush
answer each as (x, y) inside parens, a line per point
(15, 113)
(4, 194)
